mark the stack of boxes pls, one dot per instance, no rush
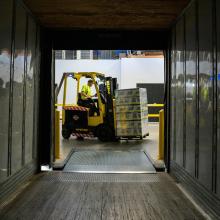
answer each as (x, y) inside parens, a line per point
(131, 113)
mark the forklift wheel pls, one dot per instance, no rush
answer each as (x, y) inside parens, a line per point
(105, 133)
(66, 133)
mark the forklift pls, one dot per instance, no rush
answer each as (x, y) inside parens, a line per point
(77, 120)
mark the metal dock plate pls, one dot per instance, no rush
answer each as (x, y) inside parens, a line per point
(109, 162)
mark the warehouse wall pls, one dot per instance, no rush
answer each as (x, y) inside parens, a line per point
(108, 67)
(19, 59)
(128, 71)
(195, 100)
(140, 70)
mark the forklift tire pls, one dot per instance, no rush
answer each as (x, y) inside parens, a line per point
(105, 133)
(66, 133)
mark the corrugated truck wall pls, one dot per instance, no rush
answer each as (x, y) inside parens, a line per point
(19, 77)
(195, 101)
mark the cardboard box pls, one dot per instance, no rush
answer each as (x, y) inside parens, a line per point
(131, 96)
(131, 108)
(131, 115)
(135, 92)
(132, 132)
(132, 124)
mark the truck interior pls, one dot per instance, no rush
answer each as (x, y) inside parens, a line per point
(101, 174)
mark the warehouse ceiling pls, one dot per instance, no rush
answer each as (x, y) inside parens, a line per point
(107, 14)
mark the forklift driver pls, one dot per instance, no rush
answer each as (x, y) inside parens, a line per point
(86, 98)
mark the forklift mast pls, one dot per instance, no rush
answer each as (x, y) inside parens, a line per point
(111, 86)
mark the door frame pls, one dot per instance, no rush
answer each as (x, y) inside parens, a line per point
(54, 39)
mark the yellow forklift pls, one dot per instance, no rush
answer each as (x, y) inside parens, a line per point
(77, 120)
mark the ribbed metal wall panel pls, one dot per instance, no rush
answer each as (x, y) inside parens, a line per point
(19, 70)
(196, 155)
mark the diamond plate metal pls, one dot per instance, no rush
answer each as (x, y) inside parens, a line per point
(109, 162)
(93, 177)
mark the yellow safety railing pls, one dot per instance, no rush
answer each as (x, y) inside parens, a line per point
(161, 135)
(61, 105)
(157, 106)
(57, 134)
(149, 105)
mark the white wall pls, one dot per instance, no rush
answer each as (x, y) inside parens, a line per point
(108, 67)
(129, 72)
(141, 70)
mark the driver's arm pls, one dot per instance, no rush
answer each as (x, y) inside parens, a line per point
(84, 92)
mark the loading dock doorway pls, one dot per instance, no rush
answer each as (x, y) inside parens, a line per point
(120, 67)
(83, 39)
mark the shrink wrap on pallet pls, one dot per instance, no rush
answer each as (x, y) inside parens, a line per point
(132, 132)
(131, 112)
(131, 115)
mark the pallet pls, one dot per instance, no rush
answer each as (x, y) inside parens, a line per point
(136, 137)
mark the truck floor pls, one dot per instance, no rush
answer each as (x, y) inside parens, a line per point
(60, 195)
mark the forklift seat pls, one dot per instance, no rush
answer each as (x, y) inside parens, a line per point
(83, 103)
